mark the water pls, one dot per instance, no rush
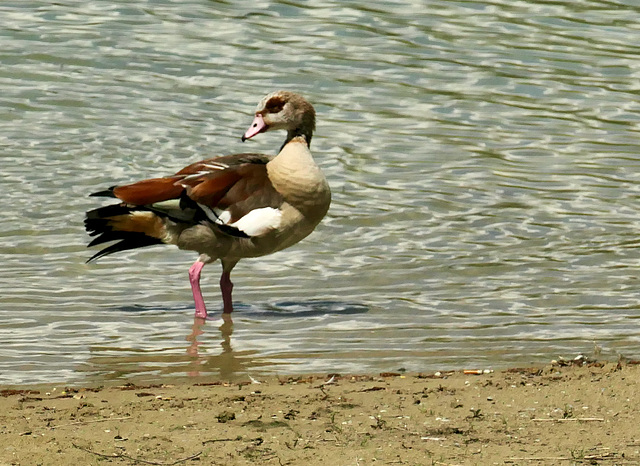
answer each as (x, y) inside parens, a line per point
(484, 160)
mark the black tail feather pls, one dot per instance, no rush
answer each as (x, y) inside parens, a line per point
(96, 220)
(133, 241)
(97, 224)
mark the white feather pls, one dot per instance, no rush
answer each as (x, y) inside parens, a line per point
(215, 166)
(171, 204)
(211, 215)
(209, 167)
(223, 216)
(259, 221)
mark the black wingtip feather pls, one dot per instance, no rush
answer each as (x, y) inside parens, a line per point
(104, 193)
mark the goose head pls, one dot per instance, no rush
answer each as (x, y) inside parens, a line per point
(283, 110)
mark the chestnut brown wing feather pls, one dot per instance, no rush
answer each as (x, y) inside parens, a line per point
(149, 191)
(210, 188)
(236, 183)
(253, 190)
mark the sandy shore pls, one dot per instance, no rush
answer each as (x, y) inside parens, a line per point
(576, 414)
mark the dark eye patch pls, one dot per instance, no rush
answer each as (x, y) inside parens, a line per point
(274, 104)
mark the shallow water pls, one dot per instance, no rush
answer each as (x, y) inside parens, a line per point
(483, 158)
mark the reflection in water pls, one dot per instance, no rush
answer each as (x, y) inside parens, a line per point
(159, 350)
(228, 364)
(192, 350)
(196, 330)
(126, 360)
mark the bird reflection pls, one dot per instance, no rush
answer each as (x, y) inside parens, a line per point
(226, 361)
(196, 331)
(200, 355)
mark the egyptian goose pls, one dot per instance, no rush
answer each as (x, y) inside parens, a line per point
(228, 207)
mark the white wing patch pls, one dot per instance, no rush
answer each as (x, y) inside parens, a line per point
(259, 221)
(255, 223)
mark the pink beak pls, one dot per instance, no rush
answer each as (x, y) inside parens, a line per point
(258, 126)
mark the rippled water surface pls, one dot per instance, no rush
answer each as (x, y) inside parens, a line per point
(483, 156)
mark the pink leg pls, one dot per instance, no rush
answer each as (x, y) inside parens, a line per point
(194, 279)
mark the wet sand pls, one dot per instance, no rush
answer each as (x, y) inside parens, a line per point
(578, 413)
